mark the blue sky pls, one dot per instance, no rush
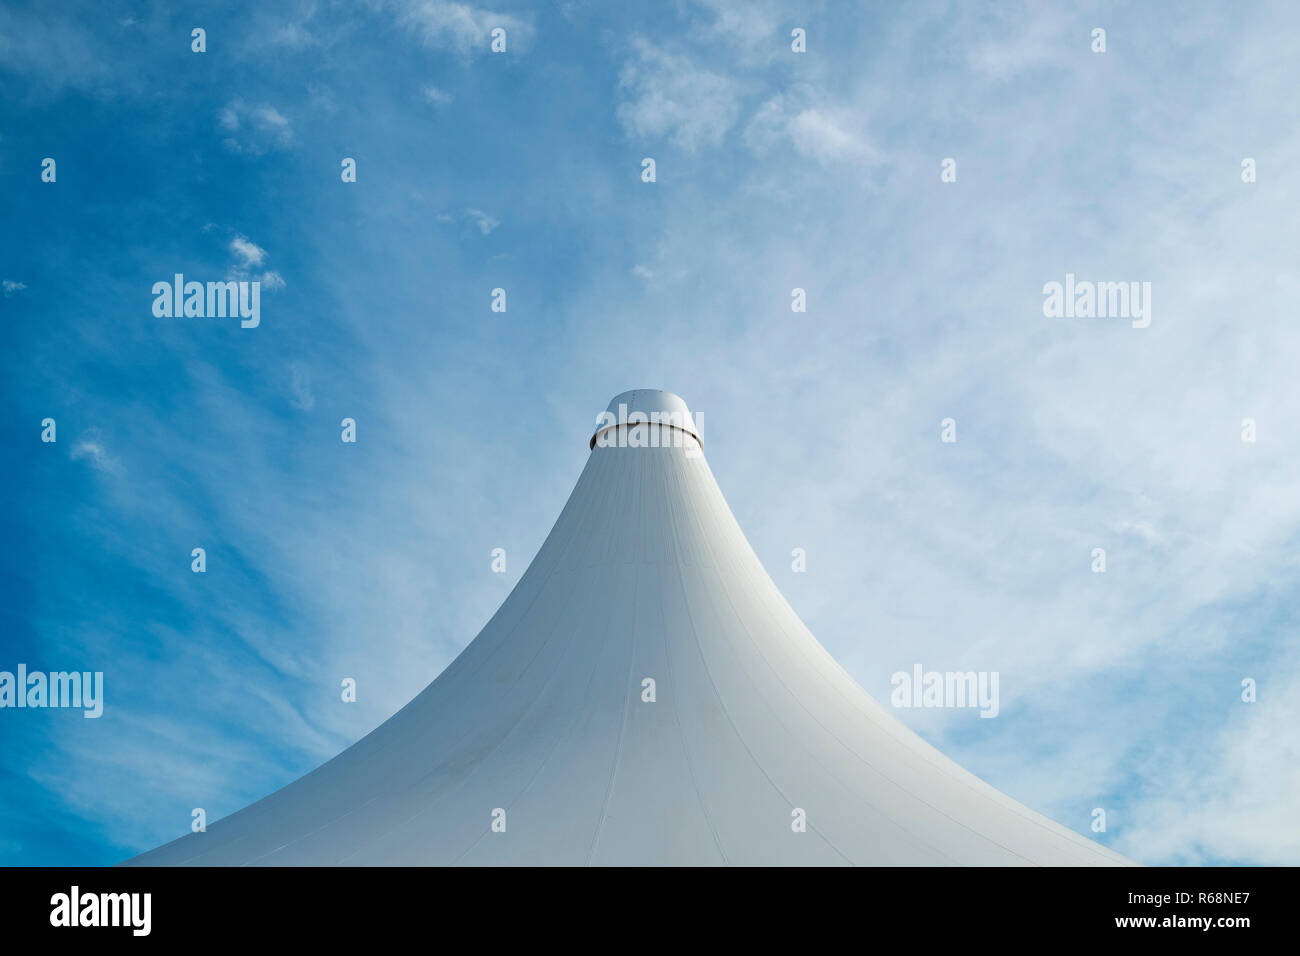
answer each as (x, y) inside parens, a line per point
(775, 170)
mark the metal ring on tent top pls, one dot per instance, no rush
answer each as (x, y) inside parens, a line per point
(591, 446)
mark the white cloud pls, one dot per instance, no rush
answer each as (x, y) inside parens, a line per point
(294, 35)
(436, 96)
(11, 286)
(754, 26)
(827, 137)
(1234, 796)
(823, 133)
(1144, 530)
(1003, 43)
(669, 95)
(462, 27)
(322, 98)
(54, 52)
(249, 256)
(484, 222)
(254, 129)
(248, 253)
(268, 117)
(93, 450)
(481, 219)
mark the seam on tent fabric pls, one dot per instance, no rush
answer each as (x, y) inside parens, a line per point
(668, 656)
(722, 704)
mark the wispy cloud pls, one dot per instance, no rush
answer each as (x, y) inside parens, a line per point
(823, 133)
(248, 258)
(253, 129)
(1232, 797)
(671, 95)
(247, 254)
(462, 27)
(436, 96)
(1007, 41)
(481, 219)
(54, 54)
(752, 26)
(92, 449)
(300, 391)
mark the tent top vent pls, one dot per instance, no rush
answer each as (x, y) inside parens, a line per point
(646, 405)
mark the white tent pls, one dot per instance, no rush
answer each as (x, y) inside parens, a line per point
(540, 744)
